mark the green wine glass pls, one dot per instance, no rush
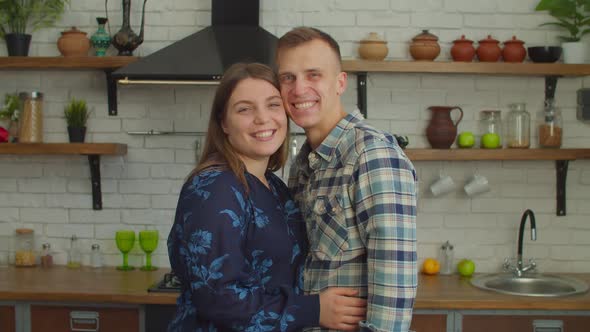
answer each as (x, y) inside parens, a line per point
(125, 240)
(148, 241)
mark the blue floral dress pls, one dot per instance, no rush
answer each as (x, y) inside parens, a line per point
(239, 256)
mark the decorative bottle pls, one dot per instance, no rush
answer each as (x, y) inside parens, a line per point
(100, 39)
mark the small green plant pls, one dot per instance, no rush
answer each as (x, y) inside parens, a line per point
(76, 113)
(11, 107)
(27, 16)
(571, 15)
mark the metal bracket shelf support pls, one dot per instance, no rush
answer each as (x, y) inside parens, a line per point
(361, 92)
(94, 161)
(111, 92)
(561, 173)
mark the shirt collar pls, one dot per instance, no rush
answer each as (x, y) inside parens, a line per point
(326, 149)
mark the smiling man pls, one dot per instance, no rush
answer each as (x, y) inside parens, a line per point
(354, 184)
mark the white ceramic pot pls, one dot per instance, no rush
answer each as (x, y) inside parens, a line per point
(575, 52)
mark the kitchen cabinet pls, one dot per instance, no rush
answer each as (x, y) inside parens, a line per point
(519, 323)
(429, 322)
(92, 150)
(49, 318)
(7, 319)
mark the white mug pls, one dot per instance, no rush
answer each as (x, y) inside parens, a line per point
(442, 186)
(477, 185)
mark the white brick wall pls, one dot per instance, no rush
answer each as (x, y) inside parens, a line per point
(53, 194)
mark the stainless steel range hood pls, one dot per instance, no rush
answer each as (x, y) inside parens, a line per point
(201, 58)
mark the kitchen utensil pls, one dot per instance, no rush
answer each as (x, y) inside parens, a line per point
(443, 185)
(425, 47)
(446, 259)
(544, 53)
(125, 240)
(513, 50)
(477, 185)
(373, 48)
(148, 241)
(463, 50)
(441, 130)
(488, 50)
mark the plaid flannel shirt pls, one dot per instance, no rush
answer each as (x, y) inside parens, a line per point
(357, 193)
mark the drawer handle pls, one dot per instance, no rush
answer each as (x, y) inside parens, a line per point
(541, 325)
(86, 318)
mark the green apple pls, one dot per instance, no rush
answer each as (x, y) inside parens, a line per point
(490, 141)
(466, 267)
(466, 139)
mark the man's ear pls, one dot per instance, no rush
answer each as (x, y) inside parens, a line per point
(342, 81)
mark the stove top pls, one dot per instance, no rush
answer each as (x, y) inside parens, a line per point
(170, 284)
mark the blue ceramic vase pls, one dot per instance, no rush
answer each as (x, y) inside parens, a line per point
(100, 39)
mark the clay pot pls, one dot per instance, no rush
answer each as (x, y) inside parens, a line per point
(424, 47)
(441, 130)
(373, 48)
(514, 50)
(488, 50)
(463, 49)
(73, 42)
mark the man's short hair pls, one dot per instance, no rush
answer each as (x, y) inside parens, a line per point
(301, 35)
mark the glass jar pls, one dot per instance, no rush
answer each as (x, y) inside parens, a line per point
(518, 127)
(31, 117)
(550, 126)
(446, 258)
(95, 256)
(24, 247)
(490, 129)
(74, 257)
(46, 257)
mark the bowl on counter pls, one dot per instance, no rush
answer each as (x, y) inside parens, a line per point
(546, 54)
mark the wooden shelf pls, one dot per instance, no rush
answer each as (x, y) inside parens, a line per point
(92, 150)
(64, 148)
(60, 62)
(496, 154)
(486, 68)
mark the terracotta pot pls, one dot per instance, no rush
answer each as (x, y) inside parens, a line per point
(441, 130)
(463, 50)
(488, 50)
(514, 50)
(424, 47)
(373, 48)
(73, 42)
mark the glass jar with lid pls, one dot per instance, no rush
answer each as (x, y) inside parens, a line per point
(490, 129)
(24, 247)
(550, 126)
(518, 127)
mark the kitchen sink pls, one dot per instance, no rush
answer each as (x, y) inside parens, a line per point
(533, 284)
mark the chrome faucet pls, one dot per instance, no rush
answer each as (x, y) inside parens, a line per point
(520, 268)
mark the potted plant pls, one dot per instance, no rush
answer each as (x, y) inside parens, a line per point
(574, 17)
(9, 112)
(19, 18)
(76, 114)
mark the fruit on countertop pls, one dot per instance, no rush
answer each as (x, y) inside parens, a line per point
(466, 139)
(490, 141)
(430, 266)
(466, 267)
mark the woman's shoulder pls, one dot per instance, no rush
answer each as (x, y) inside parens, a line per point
(212, 180)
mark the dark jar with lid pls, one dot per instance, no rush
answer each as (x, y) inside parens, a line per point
(425, 47)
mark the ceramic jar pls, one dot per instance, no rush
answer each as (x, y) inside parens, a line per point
(513, 50)
(463, 50)
(424, 47)
(73, 42)
(373, 48)
(442, 131)
(101, 39)
(488, 50)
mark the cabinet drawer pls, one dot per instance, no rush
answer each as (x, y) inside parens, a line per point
(7, 320)
(429, 322)
(59, 319)
(516, 323)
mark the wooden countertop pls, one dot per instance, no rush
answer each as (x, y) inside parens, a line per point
(107, 285)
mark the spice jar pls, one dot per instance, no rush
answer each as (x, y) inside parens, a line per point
(25, 247)
(488, 50)
(463, 50)
(518, 127)
(514, 50)
(46, 257)
(446, 258)
(31, 117)
(373, 48)
(490, 129)
(96, 256)
(550, 126)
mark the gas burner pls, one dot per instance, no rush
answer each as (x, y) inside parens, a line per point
(170, 284)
